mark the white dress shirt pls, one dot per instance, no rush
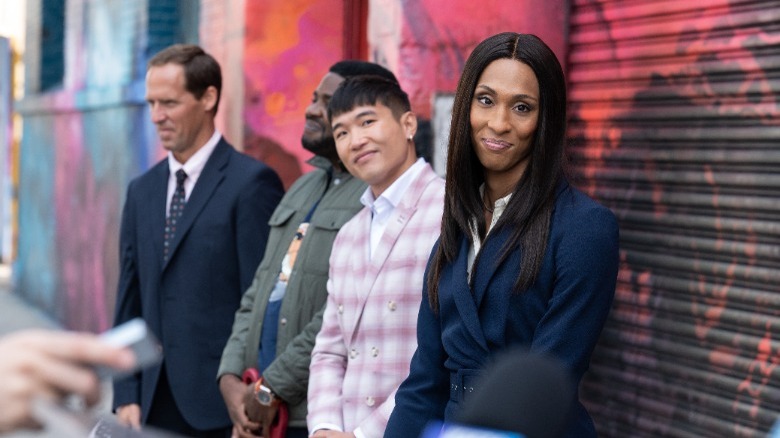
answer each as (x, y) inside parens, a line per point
(382, 207)
(193, 168)
(498, 209)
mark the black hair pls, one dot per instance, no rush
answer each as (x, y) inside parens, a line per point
(529, 210)
(347, 69)
(368, 90)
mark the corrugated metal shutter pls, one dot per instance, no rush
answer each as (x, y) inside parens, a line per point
(674, 126)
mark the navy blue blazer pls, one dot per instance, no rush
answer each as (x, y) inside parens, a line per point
(189, 302)
(561, 314)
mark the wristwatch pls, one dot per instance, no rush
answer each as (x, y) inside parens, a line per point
(264, 395)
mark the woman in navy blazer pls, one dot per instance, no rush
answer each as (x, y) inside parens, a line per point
(524, 259)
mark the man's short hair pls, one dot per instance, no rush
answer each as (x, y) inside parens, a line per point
(368, 90)
(201, 70)
(349, 68)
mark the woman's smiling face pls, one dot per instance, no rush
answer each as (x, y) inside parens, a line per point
(504, 115)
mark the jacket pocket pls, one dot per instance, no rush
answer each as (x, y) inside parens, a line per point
(324, 226)
(281, 215)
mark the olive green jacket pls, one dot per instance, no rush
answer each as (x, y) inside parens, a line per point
(300, 316)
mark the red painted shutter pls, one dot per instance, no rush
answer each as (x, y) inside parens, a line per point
(674, 125)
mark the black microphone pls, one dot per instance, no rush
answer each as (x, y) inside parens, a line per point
(520, 394)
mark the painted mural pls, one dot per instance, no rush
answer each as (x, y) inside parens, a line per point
(675, 127)
(426, 42)
(71, 191)
(289, 46)
(6, 142)
(84, 141)
(81, 145)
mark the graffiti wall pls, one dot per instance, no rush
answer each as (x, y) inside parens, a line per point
(81, 145)
(84, 139)
(427, 42)
(6, 141)
(72, 186)
(289, 46)
(674, 126)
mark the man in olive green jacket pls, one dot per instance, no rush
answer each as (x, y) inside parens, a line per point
(281, 312)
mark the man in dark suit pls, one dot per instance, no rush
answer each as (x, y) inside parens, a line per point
(194, 228)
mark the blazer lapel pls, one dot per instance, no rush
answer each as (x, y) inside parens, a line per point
(397, 222)
(157, 196)
(486, 264)
(400, 217)
(361, 273)
(461, 294)
(213, 173)
(395, 226)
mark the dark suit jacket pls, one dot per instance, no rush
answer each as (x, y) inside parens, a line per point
(189, 302)
(561, 314)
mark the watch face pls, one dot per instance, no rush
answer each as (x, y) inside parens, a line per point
(264, 397)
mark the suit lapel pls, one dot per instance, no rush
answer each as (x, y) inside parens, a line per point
(485, 265)
(157, 196)
(463, 297)
(212, 175)
(360, 273)
(395, 226)
(400, 217)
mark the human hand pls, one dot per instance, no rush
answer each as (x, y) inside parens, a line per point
(129, 415)
(49, 365)
(233, 392)
(260, 414)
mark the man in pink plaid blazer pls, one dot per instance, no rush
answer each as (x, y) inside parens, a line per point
(377, 264)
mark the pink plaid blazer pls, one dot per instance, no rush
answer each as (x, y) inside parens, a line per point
(368, 334)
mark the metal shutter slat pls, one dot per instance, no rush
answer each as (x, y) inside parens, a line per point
(674, 126)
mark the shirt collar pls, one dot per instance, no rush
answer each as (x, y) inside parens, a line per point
(194, 166)
(498, 209)
(393, 194)
(499, 205)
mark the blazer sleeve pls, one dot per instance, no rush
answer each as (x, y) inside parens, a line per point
(256, 203)
(328, 366)
(128, 390)
(288, 374)
(586, 259)
(423, 396)
(232, 361)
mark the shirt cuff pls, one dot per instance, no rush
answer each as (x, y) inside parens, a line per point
(326, 426)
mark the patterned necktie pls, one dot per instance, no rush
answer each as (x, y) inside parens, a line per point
(177, 207)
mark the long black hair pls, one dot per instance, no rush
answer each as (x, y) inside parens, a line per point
(528, 213)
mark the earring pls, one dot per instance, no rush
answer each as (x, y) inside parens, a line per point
(410, 138)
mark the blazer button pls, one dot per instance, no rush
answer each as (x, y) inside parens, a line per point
(341, 308)
(283, 321)
(353, 354)
(374, 351)
(391, 305)
(370, 401)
